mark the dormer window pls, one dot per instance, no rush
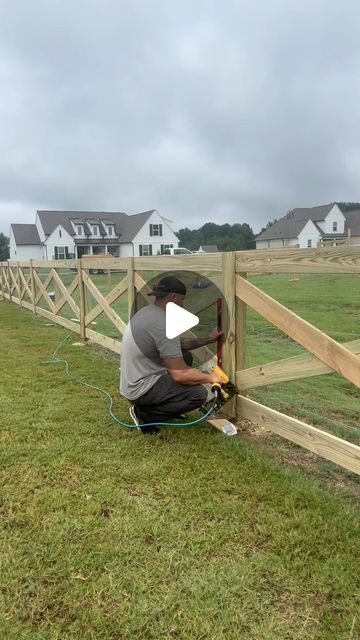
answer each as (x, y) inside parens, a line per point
(95, 229)
(335, 228)
(110, 231)
(156, 229)
(79, 230)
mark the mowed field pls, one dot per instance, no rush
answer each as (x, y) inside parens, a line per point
(107, 534)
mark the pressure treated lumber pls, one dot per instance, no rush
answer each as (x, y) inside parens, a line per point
(317, 260)
(294, 368)
(329, 351)
(344, 453)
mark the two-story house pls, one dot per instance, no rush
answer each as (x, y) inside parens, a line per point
(306, 228)
(59, 235)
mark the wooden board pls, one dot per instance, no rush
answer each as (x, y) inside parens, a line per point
(294, 368)
(319, 260)
(200, 263)
(329, 351)
(103, 341)
(343, 453)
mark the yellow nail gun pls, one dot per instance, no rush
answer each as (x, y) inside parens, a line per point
(222, 392)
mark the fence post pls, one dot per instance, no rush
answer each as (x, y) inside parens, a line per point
(229, 322)
(240, 357)
(9, 281)
(81, 299)
(32, 283)
(18, 282)
(131, 285)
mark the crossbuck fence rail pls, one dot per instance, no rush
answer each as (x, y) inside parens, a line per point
(59, 289)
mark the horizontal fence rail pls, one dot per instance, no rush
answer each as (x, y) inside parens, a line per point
(63, 292)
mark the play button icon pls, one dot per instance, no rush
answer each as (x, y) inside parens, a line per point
(178, 320)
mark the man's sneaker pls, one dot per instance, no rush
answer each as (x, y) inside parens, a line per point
(151, 430)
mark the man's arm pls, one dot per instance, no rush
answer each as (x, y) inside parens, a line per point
(180, 372)
(187, 344)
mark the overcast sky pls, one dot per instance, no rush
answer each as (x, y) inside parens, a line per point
(224, 111)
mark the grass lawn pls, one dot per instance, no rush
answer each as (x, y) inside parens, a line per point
(108, 534)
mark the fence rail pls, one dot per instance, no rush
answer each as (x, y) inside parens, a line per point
(30, 284)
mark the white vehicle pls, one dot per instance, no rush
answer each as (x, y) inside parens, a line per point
(179, 251)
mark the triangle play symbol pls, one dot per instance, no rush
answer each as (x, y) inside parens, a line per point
(178, 320)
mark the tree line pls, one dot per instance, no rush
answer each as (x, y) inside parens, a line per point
(227, 237)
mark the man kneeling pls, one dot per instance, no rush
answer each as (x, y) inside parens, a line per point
(156, 375)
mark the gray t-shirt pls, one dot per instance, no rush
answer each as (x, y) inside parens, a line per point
(141, 358)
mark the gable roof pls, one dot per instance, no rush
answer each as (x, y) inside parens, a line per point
(126, 227)
(209, 248)
(352, 222)
(133, 225)
(290, 225)
(26, 234)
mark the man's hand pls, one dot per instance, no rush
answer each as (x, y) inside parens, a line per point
(214, 335)
(215, 379)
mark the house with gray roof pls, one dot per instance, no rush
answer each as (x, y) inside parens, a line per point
(208, 248)
(306, 228)
(61, 235)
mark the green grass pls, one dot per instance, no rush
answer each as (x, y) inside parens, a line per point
(107, 534)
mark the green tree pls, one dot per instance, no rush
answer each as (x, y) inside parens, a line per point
(4, 247)
(227, 237)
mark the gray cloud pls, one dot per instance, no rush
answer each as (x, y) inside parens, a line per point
(227, 112)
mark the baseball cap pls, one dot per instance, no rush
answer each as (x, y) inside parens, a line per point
(169, 284)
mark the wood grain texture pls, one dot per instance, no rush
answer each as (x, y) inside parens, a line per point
(200, 263)
(320, 260)
(324, 444)
(288, 369)
(103, 341)
(113, 295)
(229, 323)
(64, 295)
(64, 322)
(335, 355)
(111, 314)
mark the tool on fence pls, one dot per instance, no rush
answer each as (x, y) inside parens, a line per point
(223, 392)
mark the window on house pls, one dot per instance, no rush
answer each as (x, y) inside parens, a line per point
(110, 231)
(79, 230)
(164, 247)
(309, 244)
(95, 229)
(156, 229)
(61, 253)
(334, 226)
(145, 249)
(59, 233)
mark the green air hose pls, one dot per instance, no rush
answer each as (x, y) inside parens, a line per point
(56, 360)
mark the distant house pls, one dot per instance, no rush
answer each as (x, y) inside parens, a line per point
(305, 228)
(208, 248)
(59, 235)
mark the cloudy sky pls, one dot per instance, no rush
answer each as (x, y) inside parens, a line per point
(231, 111)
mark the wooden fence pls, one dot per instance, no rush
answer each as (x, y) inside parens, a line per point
(29, 285)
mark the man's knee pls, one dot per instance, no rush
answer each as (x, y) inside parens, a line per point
(199, 394)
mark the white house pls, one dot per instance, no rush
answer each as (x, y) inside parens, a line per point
(58, 235)
(305, 228)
